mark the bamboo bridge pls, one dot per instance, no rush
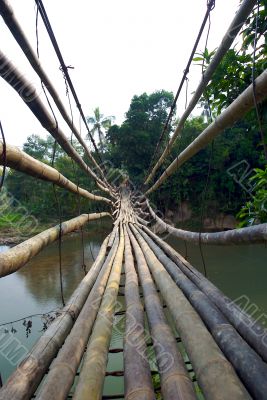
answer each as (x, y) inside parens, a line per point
(205, 346)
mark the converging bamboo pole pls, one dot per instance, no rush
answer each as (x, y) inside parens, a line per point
(251, 330)
(236, 349)
(16, 257)
(137, 376)
(19, 35)
(240, 18)
(235, 111)
(92, 374)
(248, 235)
(175, 381)
(21, 161)
(30, 97)
(62, 372)
(22, 384)
(214, 373)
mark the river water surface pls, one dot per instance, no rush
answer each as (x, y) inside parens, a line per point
(35, 289)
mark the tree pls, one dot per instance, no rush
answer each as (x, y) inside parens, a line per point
(100, 124)
(132, 144)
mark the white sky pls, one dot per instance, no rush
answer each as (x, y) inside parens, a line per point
(119, 48)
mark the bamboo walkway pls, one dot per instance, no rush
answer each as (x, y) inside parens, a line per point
(202, 342)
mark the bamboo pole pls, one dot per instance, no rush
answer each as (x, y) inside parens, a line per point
(175, 381)
(228, 39)
(62, 372)
(92, 374)
(235, 111)
(21, 161)
(238, 352)
(214, 373)
(248, 235)
(22, 384)
(252, 331)
(29, 95)
(137, 376)
(16, 257)
(19, 35)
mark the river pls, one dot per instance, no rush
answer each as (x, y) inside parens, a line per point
(35, 289)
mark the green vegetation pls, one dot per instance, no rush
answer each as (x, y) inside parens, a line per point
(129, 147)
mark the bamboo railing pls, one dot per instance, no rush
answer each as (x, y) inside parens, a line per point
(236, 110)
(16, 257)
(21, 161)
(241, 236)
(228, 39)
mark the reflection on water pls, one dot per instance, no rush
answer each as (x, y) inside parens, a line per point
(35, 288)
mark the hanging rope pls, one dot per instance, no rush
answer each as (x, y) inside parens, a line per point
(3, 156)
(210, 7)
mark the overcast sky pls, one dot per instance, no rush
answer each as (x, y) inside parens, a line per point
(118, 49)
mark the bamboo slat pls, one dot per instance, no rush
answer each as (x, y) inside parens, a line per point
(248, 235)
(137, 376)
(214, 373)
(22, 384)
(17, 256)
(238, 352)
(251, 330)
(29, 95)
(64, 368)
(21, 161)
(92, 375)
(235, 111)
(175, 381)
(228, 39)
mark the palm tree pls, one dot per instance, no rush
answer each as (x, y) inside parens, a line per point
(100, 124)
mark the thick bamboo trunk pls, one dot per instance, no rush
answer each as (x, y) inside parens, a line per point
(238, 352)
(17, 256)
(235, 111)
(175, 381)
(16, 30)
(228, 39)
(214, 373)
(249, 235)
(92, 374)
(137, 376)
(29, 95)
(22, 384)
(252, 331)
(62, 372)
(20, 161)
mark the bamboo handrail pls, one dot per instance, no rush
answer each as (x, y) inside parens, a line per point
(16, 257)
(29, 95)
(236, 110)
(214, 373)
(240, 236)
(228, 39)
(21, 161)
(10, 20)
